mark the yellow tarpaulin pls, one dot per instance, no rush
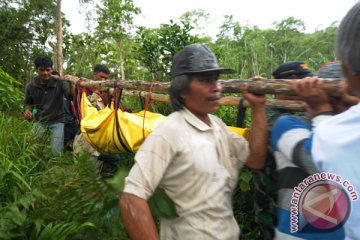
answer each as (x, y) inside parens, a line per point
(109, 133)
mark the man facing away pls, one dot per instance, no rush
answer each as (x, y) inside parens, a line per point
(44, 103)
(333, 145)
(292, 171)
(193, 157)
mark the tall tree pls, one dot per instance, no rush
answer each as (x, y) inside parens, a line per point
(114, 23)
(321, 45)
(199, 19)
(288, 31)
(59, 57)
(59, 39)
(26, 29)
(156, 47)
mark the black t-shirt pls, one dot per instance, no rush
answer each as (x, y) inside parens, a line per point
(48, 99)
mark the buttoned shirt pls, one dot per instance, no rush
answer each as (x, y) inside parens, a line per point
(198, 166)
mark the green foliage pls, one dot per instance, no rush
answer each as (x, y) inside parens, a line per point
(156, 47)
(228, 114)
(45, 197)
(114, 24)
(288, 31)
(79, 58)
(11, 96)
(115, 17)
(197, 18)
(110, 43)
(254, 202)
(19, 167)
(161, 205)
(256, 52)
(322, 45)
(60, 231)
(26, 30)
(77, 194)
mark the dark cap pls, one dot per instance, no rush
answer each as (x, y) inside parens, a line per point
(196, 58)
(331, 70)
(285, 70)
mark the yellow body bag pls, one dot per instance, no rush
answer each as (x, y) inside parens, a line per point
(112, 131)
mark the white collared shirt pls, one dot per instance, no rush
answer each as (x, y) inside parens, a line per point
(336, 149)
(198, 167)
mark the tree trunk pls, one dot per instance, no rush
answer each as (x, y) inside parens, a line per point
(266, 86)
(58, 32)
(120, 53)
(151, 89)
(227, 100)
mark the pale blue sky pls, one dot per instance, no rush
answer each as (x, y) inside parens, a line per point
(316, 14)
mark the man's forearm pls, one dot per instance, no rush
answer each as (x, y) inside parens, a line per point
(258, 139)
(137, 218)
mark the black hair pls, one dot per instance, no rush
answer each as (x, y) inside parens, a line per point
(55, 73)
(101, 68)
(43, 62)
(179, 85)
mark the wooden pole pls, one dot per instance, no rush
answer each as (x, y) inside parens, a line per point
(226, 100)
(267, 86)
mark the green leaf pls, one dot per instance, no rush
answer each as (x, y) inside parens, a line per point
(118, 181)
(161, 205)
(16, 215)
(244, 186)
(38, 224)
(265, 218)
(246, 176)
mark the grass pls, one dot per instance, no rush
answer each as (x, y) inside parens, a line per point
(46, 197)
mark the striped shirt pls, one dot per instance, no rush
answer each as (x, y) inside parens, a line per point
(292, 141)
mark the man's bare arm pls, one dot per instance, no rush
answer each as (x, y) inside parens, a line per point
(137, 218)
(258, 134)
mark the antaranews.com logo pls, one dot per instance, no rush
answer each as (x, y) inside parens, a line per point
(321, 200)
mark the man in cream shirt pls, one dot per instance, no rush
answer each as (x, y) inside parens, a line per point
(193, 157)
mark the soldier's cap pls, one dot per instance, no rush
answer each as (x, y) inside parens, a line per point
(287, 69)
(196, 58)
(331, 70)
